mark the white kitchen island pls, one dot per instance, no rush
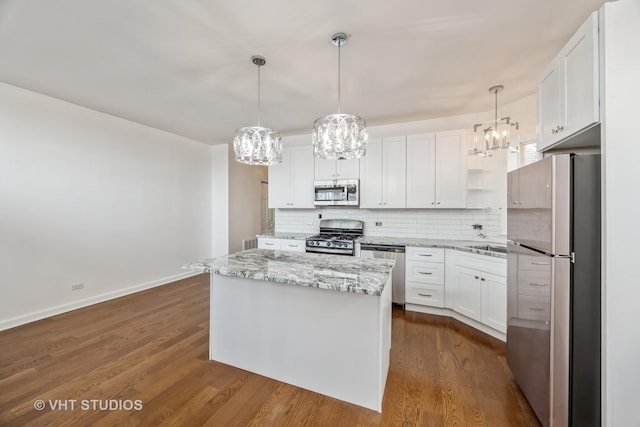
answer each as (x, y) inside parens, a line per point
(320, 322)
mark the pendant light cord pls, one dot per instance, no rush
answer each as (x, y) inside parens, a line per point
(495, 116)
(339, 47)
(258, 95)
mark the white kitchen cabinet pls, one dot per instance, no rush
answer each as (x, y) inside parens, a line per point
(293, 245)
(424, 276)
(469, 293)
(383, 180)
(494, 301)
(568, 90)
(437, 170)
(337, 169)
(291, 182)
(477, 288)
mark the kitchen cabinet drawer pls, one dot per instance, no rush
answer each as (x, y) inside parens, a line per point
(425, 254)
(425, 272)
(534, 263)
(534, 283)
(267, 243)
(293, 245)
(534, 307)
(432, 295)
(282, 244)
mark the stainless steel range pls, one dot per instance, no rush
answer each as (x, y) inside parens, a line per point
(337, 236)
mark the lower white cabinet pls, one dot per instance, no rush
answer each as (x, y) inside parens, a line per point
(477, 288)
(424, 276)
(292, 245)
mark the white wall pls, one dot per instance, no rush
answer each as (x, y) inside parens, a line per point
(621, 231)
(220, 200)
(245, 201)
(93, 199)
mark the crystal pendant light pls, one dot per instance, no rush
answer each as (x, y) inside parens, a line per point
(257, 145)
(496, 134)
(340, 135)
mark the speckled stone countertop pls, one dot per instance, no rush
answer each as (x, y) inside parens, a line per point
(461, 245)
(286, 235)
(332, 272)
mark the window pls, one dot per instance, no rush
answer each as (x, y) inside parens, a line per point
(529, 152)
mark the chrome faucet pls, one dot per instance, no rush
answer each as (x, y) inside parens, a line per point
(479, 228)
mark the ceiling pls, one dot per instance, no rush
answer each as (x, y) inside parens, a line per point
(184, 66)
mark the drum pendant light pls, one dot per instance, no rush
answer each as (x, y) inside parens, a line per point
(257, 145)
(340, 135)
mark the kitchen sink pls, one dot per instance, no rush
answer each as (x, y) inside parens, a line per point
(491, 248)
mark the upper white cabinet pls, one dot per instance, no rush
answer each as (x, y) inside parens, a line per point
(337, 169)
(568, 90)
(437, 170)
(383, 180)
(291, 182)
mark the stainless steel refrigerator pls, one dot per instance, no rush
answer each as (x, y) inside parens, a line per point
(553, 287)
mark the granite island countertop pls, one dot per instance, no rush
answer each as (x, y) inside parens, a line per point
(331, 272)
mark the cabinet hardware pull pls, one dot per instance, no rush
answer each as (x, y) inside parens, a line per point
(425, 254)
(539, 263)
(425, 295)
(536, 308)
(293, 246)
(477, 277)
(538, 284)
(268, 244)
(423, 272)
(483, 279)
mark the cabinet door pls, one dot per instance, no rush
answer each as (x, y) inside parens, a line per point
(348, 168)
(280, 183)
(469, 293)
(371, 175)
(325, 169)
(421, 166)
(581, 76)
(302, 176)
(550, 105)
(494, 301)
(451, 169)
(394, 167)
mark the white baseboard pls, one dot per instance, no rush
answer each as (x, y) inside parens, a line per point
(450, 313)
(63, 308)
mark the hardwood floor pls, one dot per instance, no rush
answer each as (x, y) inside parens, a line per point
(152, 347)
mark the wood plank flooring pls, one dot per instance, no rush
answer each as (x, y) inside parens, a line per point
(153, 347)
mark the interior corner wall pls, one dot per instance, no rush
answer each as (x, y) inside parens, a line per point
(245, 201)
(92, 200)
(220, 200)
(620, 228)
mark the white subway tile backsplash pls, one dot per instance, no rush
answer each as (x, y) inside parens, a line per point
(432, 224)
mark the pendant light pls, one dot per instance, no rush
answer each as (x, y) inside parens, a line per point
(496, 134)
(340, 135)
(257, 145)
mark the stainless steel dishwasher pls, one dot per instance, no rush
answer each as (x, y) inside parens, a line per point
(397, 276)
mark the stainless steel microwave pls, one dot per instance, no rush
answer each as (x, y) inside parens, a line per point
(338, 192)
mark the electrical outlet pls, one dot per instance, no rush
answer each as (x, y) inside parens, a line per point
(77, 287)
(378, 223)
